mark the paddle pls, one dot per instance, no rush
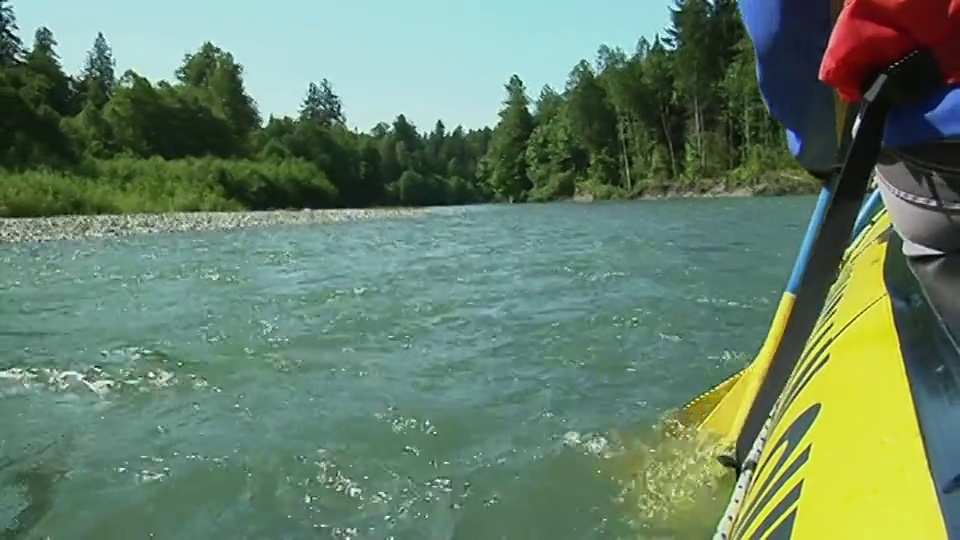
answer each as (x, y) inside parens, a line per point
(722, 410)
(743, 402)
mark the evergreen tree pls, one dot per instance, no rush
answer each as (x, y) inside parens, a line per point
(98, 77)
(507, 159)
(11, 47)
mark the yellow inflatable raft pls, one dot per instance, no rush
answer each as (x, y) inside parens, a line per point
(863, 440)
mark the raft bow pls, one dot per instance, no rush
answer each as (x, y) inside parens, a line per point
(764, 411)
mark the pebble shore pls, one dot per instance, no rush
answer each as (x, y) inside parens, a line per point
(45, 229)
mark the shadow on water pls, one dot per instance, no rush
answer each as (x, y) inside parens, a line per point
(666, 482)
(672, 486)
(30, 482)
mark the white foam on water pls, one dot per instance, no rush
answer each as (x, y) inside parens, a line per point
(122, 370)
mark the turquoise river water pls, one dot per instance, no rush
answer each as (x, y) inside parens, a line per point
(475, 373)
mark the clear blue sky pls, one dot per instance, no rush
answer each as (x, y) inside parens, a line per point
(428, 59)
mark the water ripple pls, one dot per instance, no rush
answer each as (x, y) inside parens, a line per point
(482, 372)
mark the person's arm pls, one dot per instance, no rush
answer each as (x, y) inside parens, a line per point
(789, 38)
(870, 35)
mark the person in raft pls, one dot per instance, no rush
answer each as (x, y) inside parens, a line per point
(804, 55)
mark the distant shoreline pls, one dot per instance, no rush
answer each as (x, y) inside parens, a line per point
(762, 190)
(87, 227)
(32, 229)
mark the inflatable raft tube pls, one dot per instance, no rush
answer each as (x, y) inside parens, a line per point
(864, 440)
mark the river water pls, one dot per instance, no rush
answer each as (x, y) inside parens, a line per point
(490, 372)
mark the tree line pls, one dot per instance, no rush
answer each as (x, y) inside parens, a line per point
(679, 114)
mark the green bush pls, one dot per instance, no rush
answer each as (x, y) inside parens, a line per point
(131, 185)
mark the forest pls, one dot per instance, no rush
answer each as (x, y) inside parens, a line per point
(679, 115)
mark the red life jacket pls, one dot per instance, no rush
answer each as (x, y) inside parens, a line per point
(869, 35)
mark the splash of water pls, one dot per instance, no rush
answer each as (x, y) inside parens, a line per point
(672, 484)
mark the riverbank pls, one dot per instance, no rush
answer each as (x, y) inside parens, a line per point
(132, 197)
(156, 186)
(771, 185)
(80, 227)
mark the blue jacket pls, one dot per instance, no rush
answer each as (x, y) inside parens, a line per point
(790, 38)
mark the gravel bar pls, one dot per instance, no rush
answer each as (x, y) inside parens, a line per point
(45, 229)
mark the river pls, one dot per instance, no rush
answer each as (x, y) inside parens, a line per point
(475, 373)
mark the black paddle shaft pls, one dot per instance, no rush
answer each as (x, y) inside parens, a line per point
(908, 79)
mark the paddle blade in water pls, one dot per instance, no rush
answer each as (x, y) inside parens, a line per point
(722, 410)
(699, 408)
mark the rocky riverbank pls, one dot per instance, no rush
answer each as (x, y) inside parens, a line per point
(45, 229)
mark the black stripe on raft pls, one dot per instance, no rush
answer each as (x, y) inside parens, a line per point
(907, 79)
(788, 453)
(925, 299)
